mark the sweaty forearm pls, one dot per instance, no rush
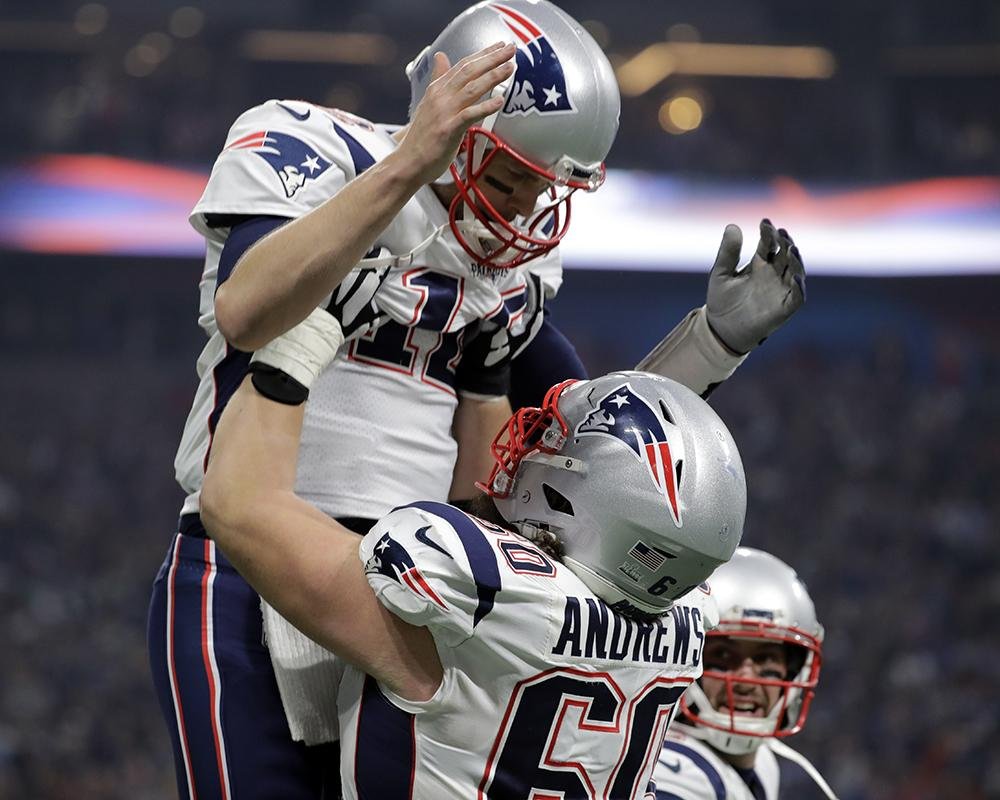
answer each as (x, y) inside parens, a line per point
(299, 560)
(287, 273)
(285, 548)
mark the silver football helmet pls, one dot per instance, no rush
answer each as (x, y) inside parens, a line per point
(558, 122)
(760, 598)
(635, 475)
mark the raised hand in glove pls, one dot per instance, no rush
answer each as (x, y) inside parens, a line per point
(746, 306)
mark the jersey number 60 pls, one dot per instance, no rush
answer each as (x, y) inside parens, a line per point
(548, 717)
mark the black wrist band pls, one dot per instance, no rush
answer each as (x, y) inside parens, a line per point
(277, 385)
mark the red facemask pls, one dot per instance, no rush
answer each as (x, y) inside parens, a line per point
(504, 245)
(524, 434)
(806, 648)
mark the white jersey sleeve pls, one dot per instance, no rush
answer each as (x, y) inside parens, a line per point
(427, 572)
(279, 159)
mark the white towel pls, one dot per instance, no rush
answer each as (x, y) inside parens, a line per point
(308, 679)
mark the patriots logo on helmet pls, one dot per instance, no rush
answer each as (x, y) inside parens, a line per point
(293, 160)
(624, 415)
(539, 83)
(392, 560)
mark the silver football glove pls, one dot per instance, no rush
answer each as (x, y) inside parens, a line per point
(746, 306)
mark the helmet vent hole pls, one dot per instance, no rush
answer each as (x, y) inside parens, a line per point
(666, 413)
(678, 470)
(557, 501)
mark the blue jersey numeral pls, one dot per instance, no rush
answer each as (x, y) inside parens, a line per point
(419, 348)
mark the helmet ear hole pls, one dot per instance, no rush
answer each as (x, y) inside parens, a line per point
(557, 501)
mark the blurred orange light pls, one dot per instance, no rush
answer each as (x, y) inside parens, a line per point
(680, 114)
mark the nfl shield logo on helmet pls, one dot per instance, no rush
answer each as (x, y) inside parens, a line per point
(624, 415)
(539, 84)
(294, 161)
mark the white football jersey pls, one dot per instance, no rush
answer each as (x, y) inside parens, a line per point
(386, 403)
(688, 769)
(547, 692)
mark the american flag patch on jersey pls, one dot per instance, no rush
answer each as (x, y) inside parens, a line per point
(647, 556)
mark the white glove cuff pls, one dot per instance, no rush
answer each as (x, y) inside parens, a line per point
(304, 351)
(691, 354)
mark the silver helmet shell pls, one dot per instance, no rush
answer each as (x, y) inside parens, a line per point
(559, 119)
(562, 104)
(636, 476)
(761, 598)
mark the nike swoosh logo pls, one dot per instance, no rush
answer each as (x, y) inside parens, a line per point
(675, 767)
(421, 536)
(299, 116)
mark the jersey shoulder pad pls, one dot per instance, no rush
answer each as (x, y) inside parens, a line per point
(283, 158)
(433, 565)
(688, 769)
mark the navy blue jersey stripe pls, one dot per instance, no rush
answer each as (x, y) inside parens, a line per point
(228, 373)
(482, 557)
(243, 235)
(749, 777)
(226, 376)
(385, 756)
(702, 763)
(362, 158)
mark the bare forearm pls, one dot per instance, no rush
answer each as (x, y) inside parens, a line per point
(251, 472)
(476, 424)
(302, 562)
(286, 274)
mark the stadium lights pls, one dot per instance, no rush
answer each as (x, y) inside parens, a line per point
(318, 47)
(651, 65)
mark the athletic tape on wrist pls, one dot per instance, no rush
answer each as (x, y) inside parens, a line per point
(284, 369)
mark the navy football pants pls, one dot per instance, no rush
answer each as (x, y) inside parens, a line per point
(217, 689)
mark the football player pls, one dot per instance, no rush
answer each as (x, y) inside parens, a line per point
(537, 651)
(456, 228)
(762, 665)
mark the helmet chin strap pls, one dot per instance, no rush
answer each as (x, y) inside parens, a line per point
(539, 533)
(404, 260)
(472, 229)
(731, 743)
